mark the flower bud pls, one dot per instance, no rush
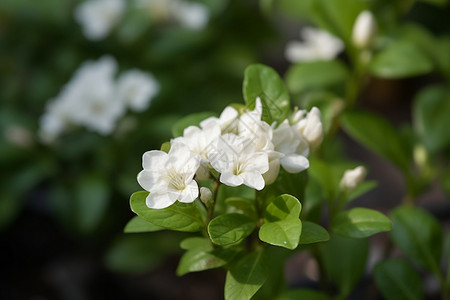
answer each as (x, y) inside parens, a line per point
(364, 29)
(352, 178)
(205, 195)
(311, 127)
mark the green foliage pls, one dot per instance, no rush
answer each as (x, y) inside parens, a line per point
(199, 260)
(419, 235)
(302, 294)
(247, 206)
(397, 280)
(360, 223)
(230, 229)
(264, 82)
(137, 224)
(282, 226)
(246, 276)
(178, 217)
(313, 233)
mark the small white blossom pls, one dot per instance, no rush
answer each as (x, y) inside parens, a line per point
(310, 126)
(352, 178)
(317, 45)
(364, 29)
(228, 121)
(239, 163)
(190, 14)
(205, 195)
(137, 89)
(169, 176)
(98, 17)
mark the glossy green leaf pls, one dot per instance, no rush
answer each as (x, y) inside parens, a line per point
(345, 261)
(431, 117)
(245, 277)
(397, 280)
(190, 120)
(360, 223)
(419, 235)
(247, 206)
(264, 82)
(315, 75)
(196, 243)
(303, 294)
(399, 60)
(282, 226)
(137, 224)
(230, 229)
(198, 260)
(378, 135)
(179, 216)
(313, 233)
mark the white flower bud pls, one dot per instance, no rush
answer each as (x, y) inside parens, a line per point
(364, 29)
(352, 178)
(311, 127)
(205, 195)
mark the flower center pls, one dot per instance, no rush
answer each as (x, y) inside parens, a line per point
(239, 167)
(176, 180)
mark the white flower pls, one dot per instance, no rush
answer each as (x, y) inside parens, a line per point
(228, 121)
(364, 29)
(137, 89)
(169, 176)
(190, 14)
(309, 125)
(239, 163)
(98, 17)
(56, 119)
(206, 195)
(316, 45)
(352, 178)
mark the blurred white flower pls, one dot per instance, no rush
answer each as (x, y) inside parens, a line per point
(169, 177)
(316, 45)
(190, 14)
(364, 29)
(136, 89)
(352, 178)
(309, 125)
(238, 162)
(98, 17)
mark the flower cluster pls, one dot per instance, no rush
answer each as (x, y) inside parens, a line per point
(95, 99)
(99, 17)
(242, 148)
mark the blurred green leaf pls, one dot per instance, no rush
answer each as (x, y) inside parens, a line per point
(313, 233)
(282, 226)
(399, 60)
(190, 120)
(345, 261)
(361, 189)
(315, 75)
(246, 276)
(431, 112)
(230, 229)
(302, 294)
(137, 224)
(397, 280)
(436, 2)
(196, 243)
(264, 82)
(247, 206)
(360, 223)
(419, 235)
(10, 207)
(197, 260)
(178, 216)
(378, 135)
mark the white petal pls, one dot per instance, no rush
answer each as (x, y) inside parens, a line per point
(158, 201)
(294, 163)
(154, 160)
(274, 168)
(259, 162)
(148, 179)
(179, 155)
(230, 179)
(190, 193)
(254, 180)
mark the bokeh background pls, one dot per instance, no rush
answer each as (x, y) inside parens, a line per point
(63, 205)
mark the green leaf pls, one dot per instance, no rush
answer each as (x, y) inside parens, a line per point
(306, 294)
(179, 216)
(345, 261)
(92, 196)
(247, 206)
(361, 189)
(230, 229)
(196, 243)
(419, 235)
(315, 75)
(431, 113)
(137, 224)
(313, 233)
(245, 277)
(360, 223)
(397, 280)
(399, 60)
(378, 135)
(264, 82)
(282, 226)
(197, 260)
(190, 120)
